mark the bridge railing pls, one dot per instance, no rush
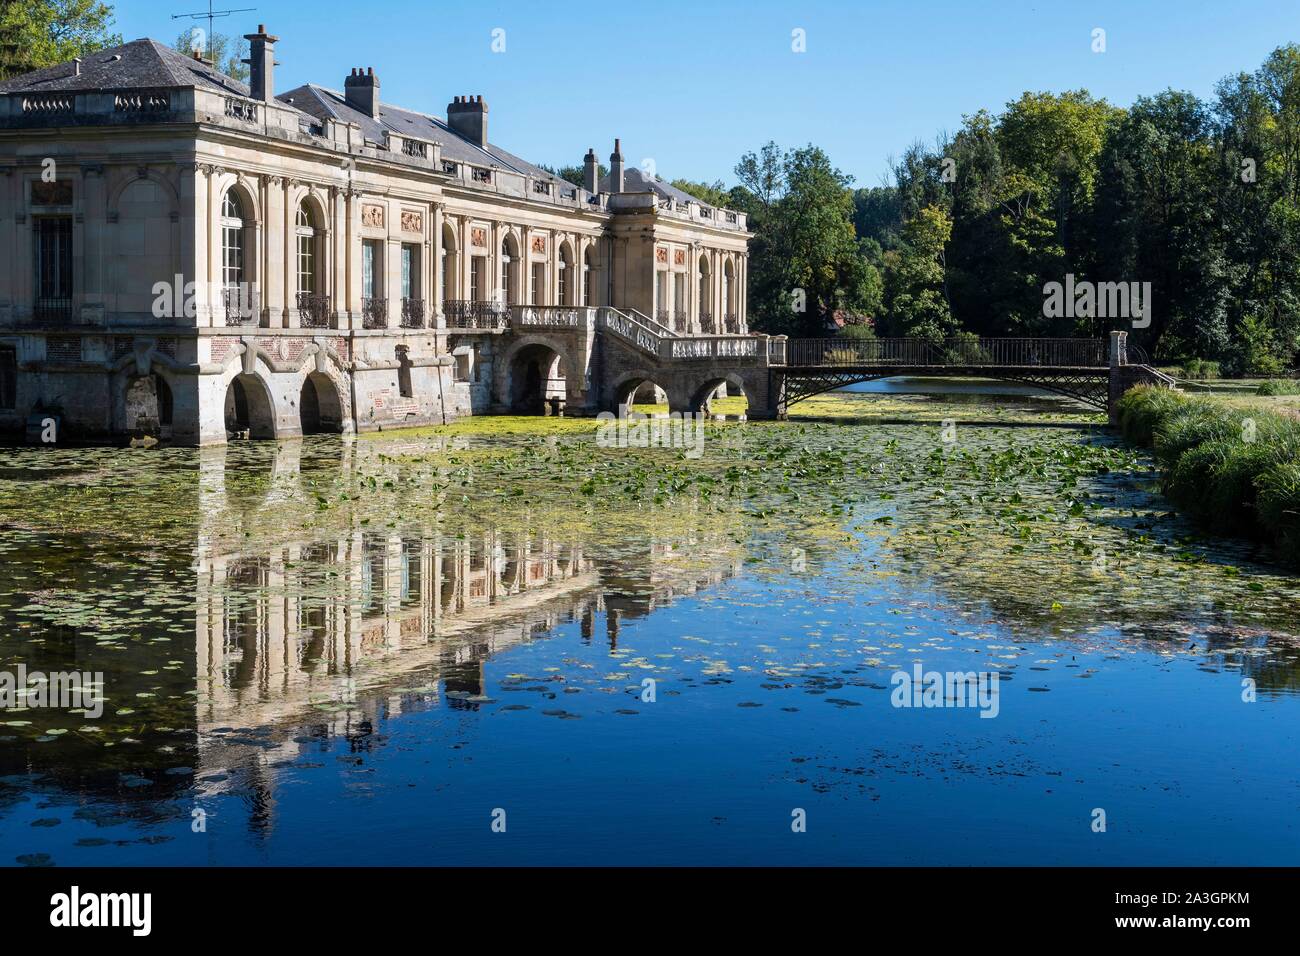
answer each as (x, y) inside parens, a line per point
(714, 347)
(630, 329)
(551, 316)
(957, 351)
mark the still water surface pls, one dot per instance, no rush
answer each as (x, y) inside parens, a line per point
(335, 651)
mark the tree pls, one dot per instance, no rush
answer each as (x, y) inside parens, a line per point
(711, 194)
(804, 261)
(40, 33)
(915, 278)
(575, 174)
(226, 54)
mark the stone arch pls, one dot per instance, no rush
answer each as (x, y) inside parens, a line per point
(732, 383)
(320, 407)
(624, 391)
(507, 365)
(536, 373)
(148, 404)
(248, 403)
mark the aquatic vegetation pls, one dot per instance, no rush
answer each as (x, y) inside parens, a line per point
(262, 610)
(1232, 467)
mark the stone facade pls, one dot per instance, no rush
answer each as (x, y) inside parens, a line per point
(184, 256)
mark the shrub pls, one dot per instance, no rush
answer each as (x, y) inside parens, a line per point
(1141, 408)
(1279, 386)
(1235, 471)
(1278, 506)
(1198, 369)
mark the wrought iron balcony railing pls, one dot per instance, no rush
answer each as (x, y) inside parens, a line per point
(412, 313)
(314, 310)
(470, 314)
(706, 322)
(374, 312)
(730, 323)
(679, 322)
(52, 309)
(240, 304)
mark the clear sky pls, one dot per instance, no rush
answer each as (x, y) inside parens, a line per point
(692, 84)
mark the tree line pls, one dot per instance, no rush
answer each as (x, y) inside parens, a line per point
(1200, 199)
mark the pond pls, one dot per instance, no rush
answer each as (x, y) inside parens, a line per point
(505, 642)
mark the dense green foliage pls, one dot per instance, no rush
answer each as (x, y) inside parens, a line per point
(226, 53)
(1237, 471)
(1200, 199)
(40, 33)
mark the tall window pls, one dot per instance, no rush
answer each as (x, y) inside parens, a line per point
(539, 283)
(410, 272)
(8, 377)
(477, 276)
(588, 279)
(307, 257)
(369, 268)
(54, 267)
(232, 239)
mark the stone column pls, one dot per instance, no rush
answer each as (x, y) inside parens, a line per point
(393, 276)
(352, 239)
(279, 253)
(94, 206)
(439, 293)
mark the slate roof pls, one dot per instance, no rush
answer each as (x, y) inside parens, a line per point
(148, 64)
(324, 103)
(140, 64)
(636, 181)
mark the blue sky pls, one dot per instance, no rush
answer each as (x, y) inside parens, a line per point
(692, 84)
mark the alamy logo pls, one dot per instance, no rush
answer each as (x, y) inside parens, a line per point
(946, 689)
(74, 909)
(62, 690)
(635, 430)
(1098, 300)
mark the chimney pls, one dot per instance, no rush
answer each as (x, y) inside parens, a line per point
(616, 169)
(76, 67)
(361, 90)
(590, 172)
(261, 64)
(467, 115)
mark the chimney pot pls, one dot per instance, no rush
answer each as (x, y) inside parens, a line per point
(467, 115)
(361, 90)
(617, 181)
(261, 63)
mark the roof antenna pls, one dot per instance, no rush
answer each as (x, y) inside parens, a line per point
(210, 15)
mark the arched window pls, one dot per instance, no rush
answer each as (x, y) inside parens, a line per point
(450, 272)
(706, 295)
(509, 271)
(589, 277)
(566, 275)
(232, 239)
(308, 253)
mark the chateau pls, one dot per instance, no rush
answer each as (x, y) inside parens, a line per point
(185, 256)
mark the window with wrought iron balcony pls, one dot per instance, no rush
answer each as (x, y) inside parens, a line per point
(474, 314)
(374, 312)
(241, 304)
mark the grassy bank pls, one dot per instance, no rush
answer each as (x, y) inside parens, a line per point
(1235, 468)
